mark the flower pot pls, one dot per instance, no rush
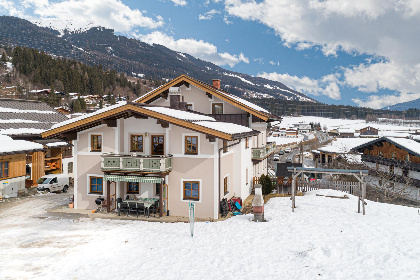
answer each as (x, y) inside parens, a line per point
(71, 205)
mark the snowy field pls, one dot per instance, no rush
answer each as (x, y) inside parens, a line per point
(342, 123)
(324, 239)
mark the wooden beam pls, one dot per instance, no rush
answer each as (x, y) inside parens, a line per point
(109, 122)
(162, 123)
(211, 138)
(69, 136)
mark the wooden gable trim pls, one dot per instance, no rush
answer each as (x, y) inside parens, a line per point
(132, 110)
(207, 89)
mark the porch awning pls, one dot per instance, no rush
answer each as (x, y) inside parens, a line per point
(117, 178)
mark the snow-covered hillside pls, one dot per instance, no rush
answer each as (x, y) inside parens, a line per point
(325, 238)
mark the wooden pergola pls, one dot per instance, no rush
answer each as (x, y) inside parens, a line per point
(358, 174)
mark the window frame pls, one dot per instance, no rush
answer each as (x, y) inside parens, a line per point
(226, 185)
(213, 107)
(131, 143)
(3, 174)
(152, 143)
(90, 185)
(186, 145)
(134, 184)
(190, 198)
(92, 149)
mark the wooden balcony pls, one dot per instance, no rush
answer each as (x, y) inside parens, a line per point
(390, 161)
(241, 119)
(136, 164)
(263, 152)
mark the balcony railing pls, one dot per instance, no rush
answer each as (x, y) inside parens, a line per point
(391, 161)
(138, 163)
(241, 119)
(263, 152)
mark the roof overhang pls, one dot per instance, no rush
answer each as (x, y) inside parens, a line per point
(137, 110)
(183, 79)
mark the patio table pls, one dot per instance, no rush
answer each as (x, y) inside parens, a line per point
(147, 202)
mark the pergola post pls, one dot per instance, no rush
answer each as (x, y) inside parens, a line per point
(108, 196)
(363, 195)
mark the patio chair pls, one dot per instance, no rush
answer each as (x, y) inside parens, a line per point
(122, 206)
(154, 208)
(132, 207)
(141, 209)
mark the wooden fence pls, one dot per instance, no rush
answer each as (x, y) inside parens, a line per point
(349, 187)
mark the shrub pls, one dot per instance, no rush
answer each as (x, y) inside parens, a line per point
(267, 185)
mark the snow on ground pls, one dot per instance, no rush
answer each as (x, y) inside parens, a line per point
(285, 140)
(341, 123)
(325, 238)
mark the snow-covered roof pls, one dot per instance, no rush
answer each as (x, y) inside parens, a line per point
(19, 131)
(346, 130)
(8, 145)
(229, 128)
(408, 144)
(179, 114)
(85, 116)
(57, 144)
(343, 145)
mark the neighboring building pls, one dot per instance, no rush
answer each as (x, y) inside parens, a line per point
(13, 172)
(346, 132)
(291, 133)
(340, 148)
(303, 127)
(26, 120)
(161, 150)
(369, 132)
(396, 160)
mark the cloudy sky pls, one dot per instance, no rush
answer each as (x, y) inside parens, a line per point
(357, 52)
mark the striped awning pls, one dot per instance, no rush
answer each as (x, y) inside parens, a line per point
(117, 178)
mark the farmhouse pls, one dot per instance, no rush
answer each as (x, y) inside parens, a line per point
(394, 164)
(184, 141)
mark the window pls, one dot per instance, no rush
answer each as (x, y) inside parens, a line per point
(189, 107)
(407, 157)
(158, 144)
(136, 143)
(133, 187)
(393, 155)
(96, 143)
(246, 143)
(225, 143)
(380, 153)
(191, 145)
(226, 185)
(70, 167)
(4, 169)
(191, 190)
(157, 190)
(67, 152)
(96, 185)
(217, 108)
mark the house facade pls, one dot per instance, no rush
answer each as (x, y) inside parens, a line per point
(166, 153)
(394, 165)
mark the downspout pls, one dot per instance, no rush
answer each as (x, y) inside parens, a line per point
(220, 171)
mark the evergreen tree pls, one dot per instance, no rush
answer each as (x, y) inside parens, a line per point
(3, 58)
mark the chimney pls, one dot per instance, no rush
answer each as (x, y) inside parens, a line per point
(216, 83)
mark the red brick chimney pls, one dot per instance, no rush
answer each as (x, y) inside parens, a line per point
(216, 83)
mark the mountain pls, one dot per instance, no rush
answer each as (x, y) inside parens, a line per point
(405, 105)
(100, 46)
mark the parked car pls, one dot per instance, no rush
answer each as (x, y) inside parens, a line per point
(281, 152)
(53, 182)
(289, 160)
(287, 150)
(276, 158)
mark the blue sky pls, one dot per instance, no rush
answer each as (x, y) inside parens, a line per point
(357, 52)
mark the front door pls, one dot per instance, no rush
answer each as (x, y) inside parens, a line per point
(158, 145)
(164, 200)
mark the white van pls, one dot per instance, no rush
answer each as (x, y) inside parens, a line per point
(53, 182)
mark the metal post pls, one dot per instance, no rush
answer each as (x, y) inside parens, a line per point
(363, 196)
(293, 193)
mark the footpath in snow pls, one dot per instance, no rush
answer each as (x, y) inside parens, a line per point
(325, 238)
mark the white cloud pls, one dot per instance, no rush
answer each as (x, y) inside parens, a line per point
(381, 101)
(107, 13)
(199, 49)
(179, 2)
(209, 15)
(381, 28)
(327, 85)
